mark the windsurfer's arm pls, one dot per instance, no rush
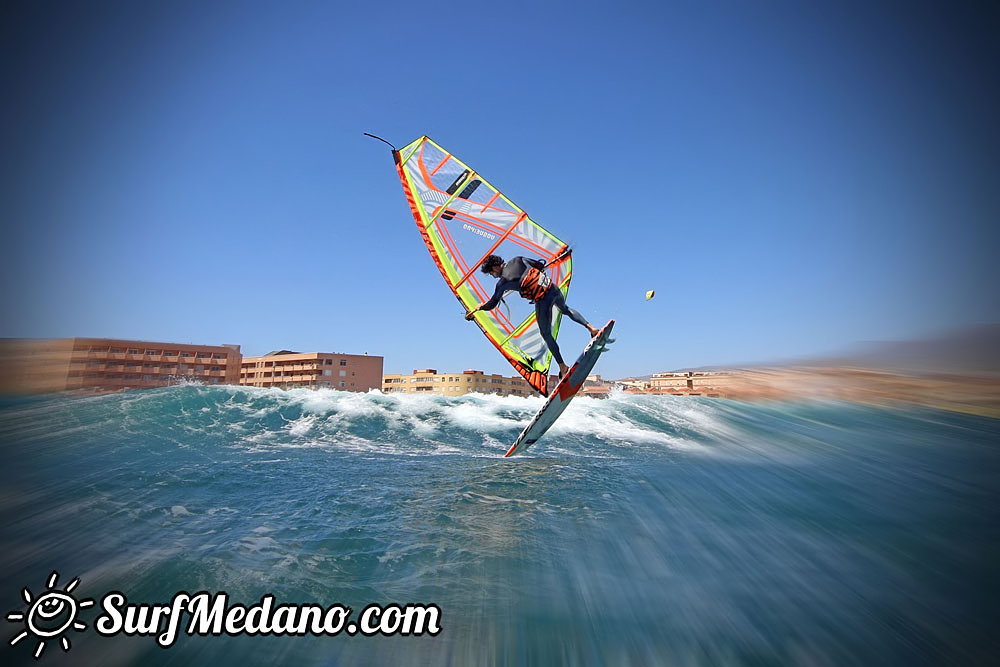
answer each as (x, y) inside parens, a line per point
(492, 303)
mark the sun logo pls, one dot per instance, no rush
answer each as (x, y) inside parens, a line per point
(53, 613)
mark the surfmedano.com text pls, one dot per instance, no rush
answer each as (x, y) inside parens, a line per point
(213, 615)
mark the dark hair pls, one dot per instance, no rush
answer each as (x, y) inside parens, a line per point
(490, 262)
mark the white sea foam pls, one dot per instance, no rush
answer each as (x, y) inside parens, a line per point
(301, 426)
(481, 416)
(266, 420)
(329, 418)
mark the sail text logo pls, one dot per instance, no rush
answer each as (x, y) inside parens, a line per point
(482, 232)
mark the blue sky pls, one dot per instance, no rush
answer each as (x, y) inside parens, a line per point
(790, 178)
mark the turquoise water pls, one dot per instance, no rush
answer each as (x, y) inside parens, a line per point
(641, 530)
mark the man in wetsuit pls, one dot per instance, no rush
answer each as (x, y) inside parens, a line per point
(527, 277)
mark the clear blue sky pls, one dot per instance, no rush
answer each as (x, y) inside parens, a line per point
(789, 177)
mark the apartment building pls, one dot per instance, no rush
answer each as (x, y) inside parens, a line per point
(109, 364)
(634, 384)
(671, 381)
(313, 370)
(428, 381)
(691, 383)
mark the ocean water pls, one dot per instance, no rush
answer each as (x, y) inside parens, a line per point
(640, 531)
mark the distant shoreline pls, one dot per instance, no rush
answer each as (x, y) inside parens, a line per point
(956, 392)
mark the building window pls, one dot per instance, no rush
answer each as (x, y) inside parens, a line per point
(340, 384)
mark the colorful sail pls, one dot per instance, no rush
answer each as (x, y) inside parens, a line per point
(462, 219)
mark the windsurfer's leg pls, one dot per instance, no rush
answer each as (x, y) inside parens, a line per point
(560, 302)
(543, 315)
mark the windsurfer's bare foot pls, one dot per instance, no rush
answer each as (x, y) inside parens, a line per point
(593, 331)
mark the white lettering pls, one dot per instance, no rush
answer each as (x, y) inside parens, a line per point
(208, 622)
(334, 620)
(414, 620)
(142, 619)
(284, 620)
(111, 623)
(311, 620)
(390, 620)
(257, 617)
(481, 232)
(234, 619)
(422, 622)
(169, 636)
(367, 628)
(211, 615)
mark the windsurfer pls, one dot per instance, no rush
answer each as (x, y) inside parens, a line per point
(527, 277)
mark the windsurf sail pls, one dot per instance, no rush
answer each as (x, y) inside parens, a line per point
(462, 218)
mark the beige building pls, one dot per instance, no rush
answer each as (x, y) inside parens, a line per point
(109, 364)
(428, 381)
(596, 387)
(634, 384)
(692, 383)
(670, 381)
(313, 370)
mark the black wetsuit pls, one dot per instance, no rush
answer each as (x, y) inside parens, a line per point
(510, 280)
